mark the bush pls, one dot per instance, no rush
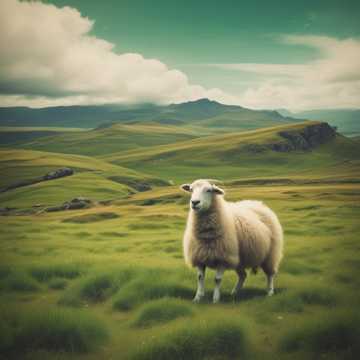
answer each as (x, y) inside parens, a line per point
(161, 311)
(52, 330)
(203, 340)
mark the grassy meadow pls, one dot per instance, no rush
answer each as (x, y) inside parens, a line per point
(109, 281)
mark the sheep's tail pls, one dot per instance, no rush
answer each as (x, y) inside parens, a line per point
(254, 270)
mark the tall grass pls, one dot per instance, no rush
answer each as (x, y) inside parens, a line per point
(331, 333)
(96, 287)
(19, 281)
(47, 272)
(50, 329)
(203, 340)
(161, 311)
(149, 286)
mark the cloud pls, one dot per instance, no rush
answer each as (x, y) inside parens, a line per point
(330, 81)
(49, 57)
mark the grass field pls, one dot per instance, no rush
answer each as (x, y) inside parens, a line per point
(109, 282)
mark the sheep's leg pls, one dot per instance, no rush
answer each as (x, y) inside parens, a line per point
(218, 278)
(270, 284)
(241, 278)
(200, 292)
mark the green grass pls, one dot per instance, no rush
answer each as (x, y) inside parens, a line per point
(103, 141)
(51, 330)
(47, 272)
(149, 286)
(199, 340)
(128, 271)
(19, 281)
(161, 311)
(334, 334)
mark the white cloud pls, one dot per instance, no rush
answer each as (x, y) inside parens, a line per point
(48, 57)
(331, 81)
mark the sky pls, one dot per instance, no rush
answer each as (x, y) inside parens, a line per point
(297, 55)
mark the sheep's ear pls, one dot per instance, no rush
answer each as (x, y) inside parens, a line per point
(185, 187)
(218, 190)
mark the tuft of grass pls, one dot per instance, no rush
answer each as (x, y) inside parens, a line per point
(96, 287)
(295, 301)
(47, 272)
(202, 340)
(318, 296)
(337, 334)
(298, 268)
(57, 284)
(89, 218)
(19, 281)
(52, 330)
(149, 286)
(161, 311)
(4, 271)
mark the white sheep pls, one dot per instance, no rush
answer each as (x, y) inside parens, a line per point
(224, 235)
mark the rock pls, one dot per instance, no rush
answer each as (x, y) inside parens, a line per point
(305, 139)
(58, 173)
(74, 204)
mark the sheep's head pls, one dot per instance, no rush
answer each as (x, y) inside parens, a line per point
(202, 194)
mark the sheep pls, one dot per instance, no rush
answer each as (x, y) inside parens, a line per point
(226, 235)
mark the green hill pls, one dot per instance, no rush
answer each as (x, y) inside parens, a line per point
(111, 138)
(93, 178)
(175, 114)
(266, 152)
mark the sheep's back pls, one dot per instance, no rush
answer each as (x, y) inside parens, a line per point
(253, 232)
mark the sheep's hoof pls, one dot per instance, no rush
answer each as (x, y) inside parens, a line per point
(197, 299)
(270, 292)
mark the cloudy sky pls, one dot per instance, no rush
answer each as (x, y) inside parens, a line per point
(259, 54)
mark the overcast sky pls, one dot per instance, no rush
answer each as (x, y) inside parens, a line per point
(259, 54)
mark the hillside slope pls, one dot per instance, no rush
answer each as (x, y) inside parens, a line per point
(111, 138)
(92, 178)
(301, 149)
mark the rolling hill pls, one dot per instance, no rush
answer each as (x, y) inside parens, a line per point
(286, 150)
(93, 178)
(176, 114)
(110, 138)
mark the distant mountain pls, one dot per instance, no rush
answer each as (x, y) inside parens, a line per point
(346, 120)
(203, 112)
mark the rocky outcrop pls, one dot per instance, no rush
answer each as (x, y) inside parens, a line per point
(307, 138)
(304, 139)
(74, 204)
(57, 174)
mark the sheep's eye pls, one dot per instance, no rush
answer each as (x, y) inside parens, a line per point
(209, 190)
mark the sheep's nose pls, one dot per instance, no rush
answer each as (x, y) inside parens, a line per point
(195, 202)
